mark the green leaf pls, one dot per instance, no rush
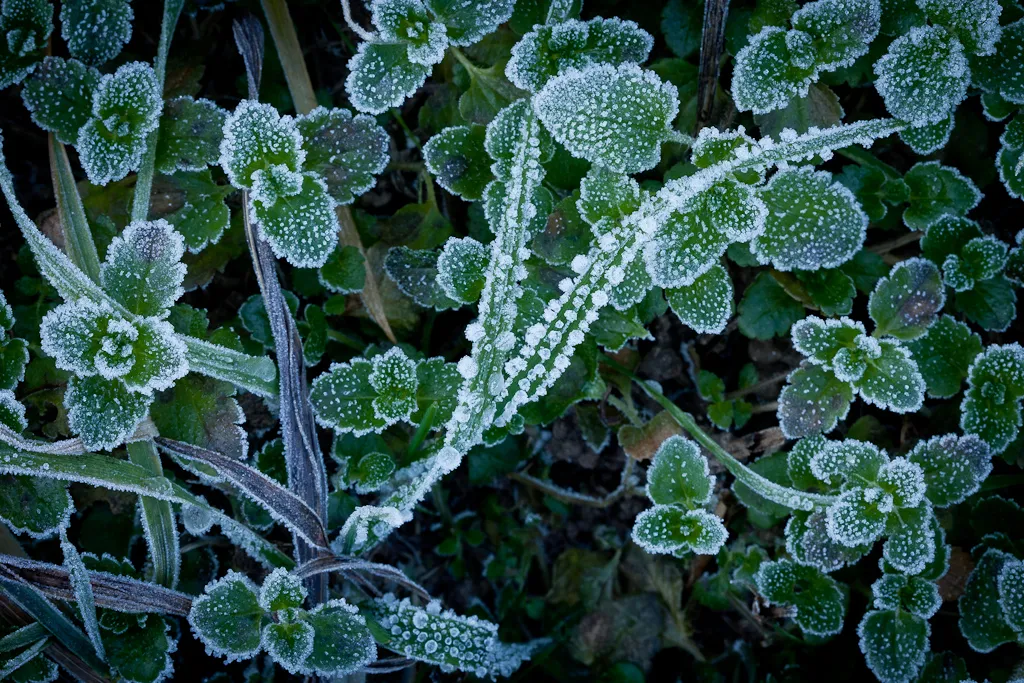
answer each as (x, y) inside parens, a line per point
(678, 531)
(766, 310)
(813, 401)
(438, 385)
(607, 194)
(197, 209)
(549, 50)
(342, 643)
(911, 594)
(906, 303)
(381, 76)
(459, 161)
(301, 226)
(929, 137)
(96, 30)
(408, 22)
(937, 190)
(954, 467)
(944, 355)
(991, 407)
(866, 269)
(143, 269)
(679, 475)
(892, 380)
(33, 506)
(26, 27)
(923, 76)
(821, 340)
(704, 306)
(142, 653)
(808, 541)
(831, 290)
(818, 603)
(59, 96)
(345, 271)
(1001, 73)
(681, 26)
(1008, 160)
(875, 189)
(258, 138)
(190, 135)
(975, 25)
(315, 338)
(991, 304)
(894, 643)
(812, 222)
(227, 617)
(281, 590)
(489, 92)
(818, 108)
(982, 619)
(202, 411)
(614, 116)
(371, 472)
(461, 269)
(366, 395)
(103, 412)
(415, 273)
(288, 644)
(346, 151)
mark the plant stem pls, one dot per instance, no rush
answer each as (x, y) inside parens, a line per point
(157, 518)
(573, 498)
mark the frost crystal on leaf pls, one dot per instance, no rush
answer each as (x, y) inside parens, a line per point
(25, 27)
(894, 644)
(937, 190)
(190, 135)
(227, 618)
(953, 467)
(1002, 73)
(817, 601)
(346, 151)
(59, 96)
(256, 138)
(906, 303)
(96, 30)
(381, 76)
(280, 590)
(975, 23)
(705, 305)
(143, 270)
(468, 22)
(461, 268)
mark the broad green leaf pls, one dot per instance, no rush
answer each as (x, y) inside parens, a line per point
(704, 306)
(982, 620)
(142, 652)
(467, 23)
(911, 594)
(606, 194)
(288, 643)
(257, 138)
(96, 30)
(459, 161)
(438, 385)
(681, 25)
(12, 411)
(345, 271)
(202, 411)
(991, 304)
(976, 25)
(342, 643)
(812, 222)
(858, 462)
(346, 151)
(948, 236)
(944, 355)
(196, 207)
(820, 340)
(371, 472)
(857, 519)
(614, 116)
(59, 96)
(892, 381)
(190, 135)
(991, 407)
(1008, 160)
(281, 590)
(415, 272)
(25, 26)
(830, 289)
(549, 50)
(381, 76)
(461, 269)
(1002, 73)
(894, 643)
(841, 30)
(227, 617)
(1011, 594)
(817, 601)
(366, 395)
(679, 475)
(936, 190)
(954, 467)
(923, 76)
(982, 258)
(766, 310)
(907, 302)
(819, 108)
(143, 269)
(813, 401)
(103, 412)
(775, 66)
(677, 531)
(930, 137)
(911, 543)
(565, 236)
(489, 92)
(408, 21)
(808, 541)
(34, 506)
(301, 228)
(875, 190)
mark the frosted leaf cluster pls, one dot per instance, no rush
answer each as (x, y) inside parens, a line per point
(453, 642)
(121, 351)
(967, 256)
(991, 408)
(816, 599)
(412, 36)
(680, 486)
(25, 28)
(936, 191)
(96, 30)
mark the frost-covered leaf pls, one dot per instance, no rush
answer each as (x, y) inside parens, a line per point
(944, 355)
(143, 270)
(227, 617)
(819, 108)
(461, 268)
(982, 258)
(371, 472)
(96, 30)
(1002, 73)
(33, 505)
(288, 643)
(614, 116)
(817, 601)
(991, 407)
(300, 226)
(59, 96)
(459, 161)
(678, 531)
(705, 305)
(875, 189)
(381, 76)
(126, 107)
(929, 137)
(12, 411)
(366, 395)
(923, 76)
(766, 310)
(894, 644)
(954, 467)
(937, 190)
(813, 401)
(830, 289)
(551, 49)
(908, 593)
(820, 340)
(346, 151)
(202, 411)
(142, 652)
(679, 474)
(190, 135)
(991, 304)
(812, 222)
(81, 586)
(197, 208)
(911, 543)
(426, 633)
(858, 517)
(607, 194)
(1009, 159)
(892, 380)
(281, 590)
(975, 24)
(257, 138)
(415, 272)
(907, 302)
(466, 22)
(25, 26)
(807, 540)
(982, 620)
(103, 412)
(407, 21)
(341, 643)
(345, 271)
(1011, 594)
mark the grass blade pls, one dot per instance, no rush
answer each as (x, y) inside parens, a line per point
(158, 523)
(78, 242)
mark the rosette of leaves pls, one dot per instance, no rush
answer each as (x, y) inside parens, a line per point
(894, 634)
(680, 486)
(236, 620)
(973, 265)
(817, 601)
(298, 170)
(411, 37)
(778, 64)
(25, 28)
(121, 350)
(992, 403)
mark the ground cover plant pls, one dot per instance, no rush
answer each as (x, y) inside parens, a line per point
(511, 339)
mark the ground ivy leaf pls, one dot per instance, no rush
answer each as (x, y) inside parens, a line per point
(459, 161)
(812, 402)
(912, 594)
(892, 381)
(1002, 73)
(468, 23)
(103, 412)
(894, 643)
(415, 272)
(143, 269)
(346, 151)
(831, 290)
(766, 310)
(906, 303)
(201, 217)
(991, 304)
(366, 395)
(607, 194)
(257, 137)
(461, 269)
(677, 531)
(96, 30)
(407, 21)
(142, 653)
(190, 135)
(551, 49)
(705, 306)
(679, 474)
(202, 411)
(911, 542)
(807, 540)
(812, 222)
(381, 76)
(1008, 160)
(953, 466)
(819, 604)
(930, 137)
(227, 617)
(923, 76)
(35, 506)
(288, 644)
(281, 590)
(992, 404)
(936, 190)
(438, 385)
(614, 116)
(59, 96)
(982, 620)
(342, 643)
(820, 340)
(26, 27)
(345, 271)
(944, 355)
(301, 228)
